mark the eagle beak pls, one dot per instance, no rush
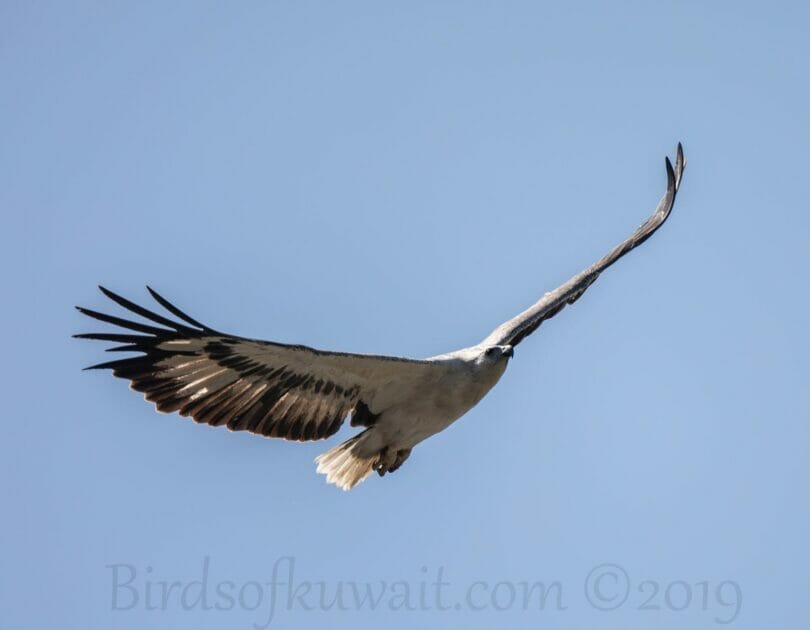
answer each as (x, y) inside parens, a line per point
(509, 351)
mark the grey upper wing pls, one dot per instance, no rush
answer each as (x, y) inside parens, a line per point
(272, 389)
(516, 329)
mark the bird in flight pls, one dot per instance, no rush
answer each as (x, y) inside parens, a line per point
(300, 393)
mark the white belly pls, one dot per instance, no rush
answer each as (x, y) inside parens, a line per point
(434, 406)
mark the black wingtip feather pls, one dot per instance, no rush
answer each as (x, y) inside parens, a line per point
(117, 337)
(97, 366)
(670, 174)
(176, 311)
(680, 165)
(123, 323)
(143, 312)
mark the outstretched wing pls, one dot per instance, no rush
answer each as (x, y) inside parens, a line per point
(272, 389)
(517, 328)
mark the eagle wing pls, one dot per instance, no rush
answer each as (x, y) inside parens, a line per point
(272, 389)
(518, 328)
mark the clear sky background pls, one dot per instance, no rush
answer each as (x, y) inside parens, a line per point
(400, 178)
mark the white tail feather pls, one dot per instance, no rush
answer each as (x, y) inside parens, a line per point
(343, 467)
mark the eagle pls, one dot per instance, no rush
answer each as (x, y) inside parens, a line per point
(299, 393)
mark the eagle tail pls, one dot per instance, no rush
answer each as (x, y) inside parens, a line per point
(344, 466)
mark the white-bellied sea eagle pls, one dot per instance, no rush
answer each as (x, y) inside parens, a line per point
(300, 393)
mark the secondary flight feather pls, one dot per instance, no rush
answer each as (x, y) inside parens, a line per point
(300, 393)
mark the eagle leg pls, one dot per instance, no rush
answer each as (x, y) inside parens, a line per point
(402, 455)
(390, 460)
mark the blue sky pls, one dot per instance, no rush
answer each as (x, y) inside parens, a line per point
(400, 178)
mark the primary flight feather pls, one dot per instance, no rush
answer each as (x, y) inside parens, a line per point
(300, 393)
